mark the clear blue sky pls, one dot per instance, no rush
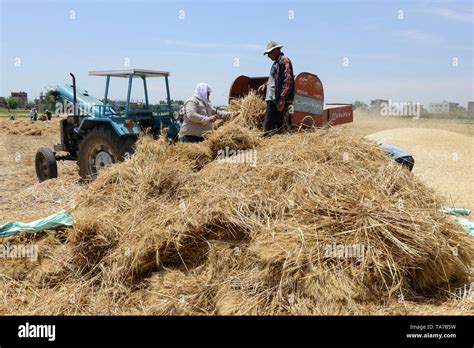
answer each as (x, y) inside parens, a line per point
(407, 59)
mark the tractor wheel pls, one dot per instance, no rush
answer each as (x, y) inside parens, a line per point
(100, 148)
(45, 164)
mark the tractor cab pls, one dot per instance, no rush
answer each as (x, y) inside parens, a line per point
(133, 77)
(129, 117)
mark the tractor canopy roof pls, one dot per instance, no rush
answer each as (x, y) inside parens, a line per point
(128, 72)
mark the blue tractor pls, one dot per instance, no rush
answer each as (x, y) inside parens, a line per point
(96, 133)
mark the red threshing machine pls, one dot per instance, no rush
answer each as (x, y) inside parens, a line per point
(308, 106)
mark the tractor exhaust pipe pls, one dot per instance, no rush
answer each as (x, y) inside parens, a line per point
(76, 113)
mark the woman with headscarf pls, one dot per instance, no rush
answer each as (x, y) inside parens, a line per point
(199, 115)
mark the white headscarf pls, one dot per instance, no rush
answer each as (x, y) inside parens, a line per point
(201, 91)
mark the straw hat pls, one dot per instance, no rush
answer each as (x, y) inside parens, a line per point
(271, 46)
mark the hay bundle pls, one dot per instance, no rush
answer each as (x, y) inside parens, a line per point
(251, 111)
(232, 136)
(25, 131)
(321, 224)
(25, 127)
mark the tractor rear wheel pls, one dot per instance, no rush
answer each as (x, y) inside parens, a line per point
(100, 148)
(45, 164)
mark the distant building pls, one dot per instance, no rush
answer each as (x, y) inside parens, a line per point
(444, 107)
(39, 101)
(453, 106)
(376, 105)
(438, 108)
(470, 108)
(22, 98)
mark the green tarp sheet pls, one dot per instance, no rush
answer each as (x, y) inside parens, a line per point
(62, 218)
(467, 224)
(455, 211)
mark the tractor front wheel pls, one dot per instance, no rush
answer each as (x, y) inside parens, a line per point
(45, 164)
(100, 148)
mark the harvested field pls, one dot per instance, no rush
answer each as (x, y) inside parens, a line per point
(323, 223)
(365, 124)
(443, 159)
(26, 127)
(21, 196)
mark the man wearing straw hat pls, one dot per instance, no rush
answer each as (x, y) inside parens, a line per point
(280, 88)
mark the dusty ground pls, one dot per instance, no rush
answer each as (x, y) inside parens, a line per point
(443, 150)
(432, 142)
(21, 196)
(443, 160)
(364, 124)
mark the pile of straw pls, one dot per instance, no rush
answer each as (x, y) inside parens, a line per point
(251, 111)
(321, 223)
(26, 127)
